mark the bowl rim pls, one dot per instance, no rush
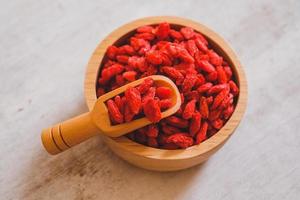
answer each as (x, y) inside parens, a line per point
(148, 152)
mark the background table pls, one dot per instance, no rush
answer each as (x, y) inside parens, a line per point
(44, 48)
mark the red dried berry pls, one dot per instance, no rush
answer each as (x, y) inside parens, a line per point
(119, 102)
(150, 94)
(187, 32)
(169, 130)
(217, 88)
(189, 82)
(152, 110)
(214, 58)
(128, 114)
(201, 135)
(176, 35)
(145, 29)
(217, 124)
(129, 75)
(173, 73)
(163, 30)
(191, 47)
(112, 52)
(177, 122)
(201, 45)
(152, 131)
(212, 76)
(189, 109)
(134, 99)
(233, 88)
(122, 59)
(222, 77)
(195, 124)
(154, 57)
(183, 140)
(219, 98)
(114, 112)
(163, 92)
(204, 108)
(145, 85)
(145, 36)
(205, 66)
(204, 88)
(165, 104)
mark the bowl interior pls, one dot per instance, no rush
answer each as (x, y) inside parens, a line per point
(120, 36)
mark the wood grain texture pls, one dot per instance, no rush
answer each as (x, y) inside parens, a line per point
(158, 159)
(45, 47)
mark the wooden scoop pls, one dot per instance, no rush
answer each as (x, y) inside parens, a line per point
(78, 129)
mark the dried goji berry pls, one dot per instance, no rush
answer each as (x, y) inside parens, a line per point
(233, 88)
(122, 59)
(177, 122)
(189, 109)
(201, 135)
(152, 131)
(163, 92)
(222, 77)
(204, 108)
(201, 45)
(145, 36)
(173, 74)
(145, 85)
(195, 123)
(119, 102)
(152, 110)
(176, 35)
(212, 76)
(219, 98)
(112, 52)
(154, 57)
(150, 94)
(205, 87)
(169, 130)
(187, 32)
(214, 58)
(129, 75)
(217, 88)
(217, 124)
(188, 82)
(192, 95)
(134, 99)
(126, 49)
(145, 29)
(163, 30)
(191, 47)
(228, 72)
(165, 104)
(128, 115)
(205, 66)
(183, 140)
(114, 111)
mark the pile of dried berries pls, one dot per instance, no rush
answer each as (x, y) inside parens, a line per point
(144, 100)
(204, 79)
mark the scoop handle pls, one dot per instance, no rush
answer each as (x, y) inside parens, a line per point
(69, 133)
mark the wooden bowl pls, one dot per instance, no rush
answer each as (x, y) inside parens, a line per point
(159, 159)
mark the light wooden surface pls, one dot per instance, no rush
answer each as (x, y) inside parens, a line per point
(158, 159)
(45, 46)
